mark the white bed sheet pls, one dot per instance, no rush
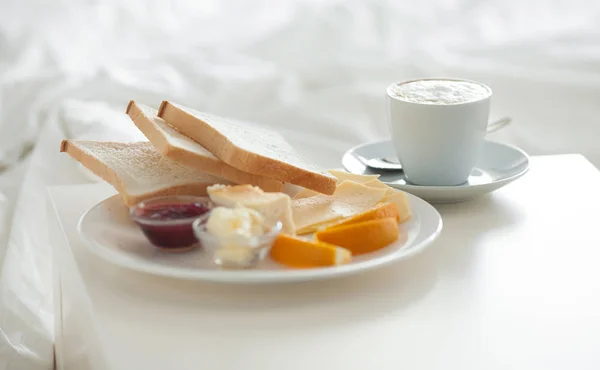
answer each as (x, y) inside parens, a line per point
(314, 70)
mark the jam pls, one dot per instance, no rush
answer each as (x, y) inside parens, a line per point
(173, 211)
(167, 222)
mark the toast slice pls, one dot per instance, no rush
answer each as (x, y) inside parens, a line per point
(137, 171)
(180, 148)
(258, 151)
(273, 206)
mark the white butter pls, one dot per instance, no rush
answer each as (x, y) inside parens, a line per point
(226, 223)
(237, 231)
(275, 207)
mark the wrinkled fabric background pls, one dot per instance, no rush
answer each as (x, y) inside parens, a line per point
(314, 70)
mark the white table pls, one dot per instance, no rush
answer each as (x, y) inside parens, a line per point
(513, 283)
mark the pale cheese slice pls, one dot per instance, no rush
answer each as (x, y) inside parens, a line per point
(391, 191)
(400, 199)
(376, 183)
(393, 196)
(273, 206)
(305, 193)
(340, 176)
(316, 227)
(350, 198)
(343, 175)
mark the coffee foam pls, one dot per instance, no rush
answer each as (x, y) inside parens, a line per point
(439, 92)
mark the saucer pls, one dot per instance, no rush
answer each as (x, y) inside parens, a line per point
(499, 164)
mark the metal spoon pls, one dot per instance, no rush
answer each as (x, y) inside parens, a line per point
(391, 163)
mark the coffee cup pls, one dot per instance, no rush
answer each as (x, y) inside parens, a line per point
(438, 127)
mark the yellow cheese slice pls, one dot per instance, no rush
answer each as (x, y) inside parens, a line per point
(349, 199)
(361, 179)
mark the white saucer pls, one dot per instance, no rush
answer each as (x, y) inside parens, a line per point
(110, 233)
(498, 165)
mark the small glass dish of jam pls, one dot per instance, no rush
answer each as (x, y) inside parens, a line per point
(167, 221)
(232, 249)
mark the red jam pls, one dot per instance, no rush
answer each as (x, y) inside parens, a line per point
(167, 222)
(166, 212)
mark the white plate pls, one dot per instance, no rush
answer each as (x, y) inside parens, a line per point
(498, 165)
(109, 232)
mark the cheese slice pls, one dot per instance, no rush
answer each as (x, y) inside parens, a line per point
(305, 193)
(400, 199)
(273, 206)
(350, 198)
(393, 196)
(343, 175)
(319, 226)
(391, 191)
(376, 183)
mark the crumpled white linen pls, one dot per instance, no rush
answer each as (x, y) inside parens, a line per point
(315, 70)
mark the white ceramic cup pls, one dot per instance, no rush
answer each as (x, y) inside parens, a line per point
(437, 144)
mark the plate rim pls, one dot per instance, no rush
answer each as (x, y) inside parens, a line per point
(446, 189)
(265, 277)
